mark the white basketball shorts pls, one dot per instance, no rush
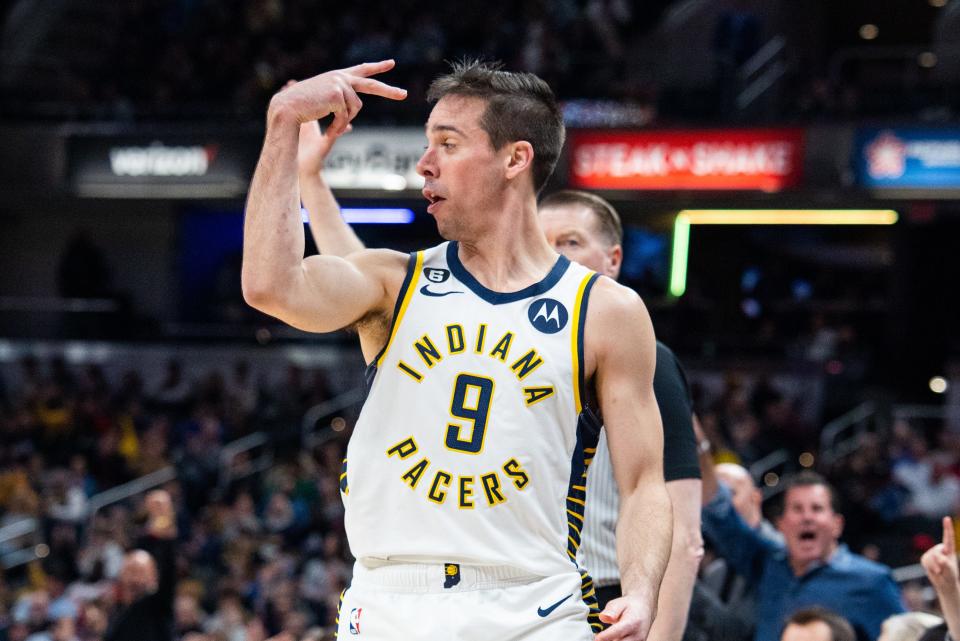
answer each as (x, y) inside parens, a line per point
(449, 602)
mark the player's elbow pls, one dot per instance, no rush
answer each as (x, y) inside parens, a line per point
(259, 292)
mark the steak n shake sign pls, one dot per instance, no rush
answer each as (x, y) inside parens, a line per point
(750, 159)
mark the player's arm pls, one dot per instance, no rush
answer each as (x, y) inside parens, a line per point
(681, 469)
(685, 555)
(620, 339)
(333, 236)
(320, 293)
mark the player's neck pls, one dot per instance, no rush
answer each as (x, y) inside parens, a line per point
(512, 254)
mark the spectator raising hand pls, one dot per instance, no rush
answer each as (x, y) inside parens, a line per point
(161, 518)
(940, 564)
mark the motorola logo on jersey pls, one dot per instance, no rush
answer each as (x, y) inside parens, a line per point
(435, 274)
(547, 315)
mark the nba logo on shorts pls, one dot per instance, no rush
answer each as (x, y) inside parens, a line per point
(355, 620)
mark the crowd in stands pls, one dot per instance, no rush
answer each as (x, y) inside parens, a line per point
(265, 553)
(257, 45)
(253, 557)
(894, 485)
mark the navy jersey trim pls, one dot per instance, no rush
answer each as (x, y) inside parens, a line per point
(499, 298)
(411, 269)
(589, 595)
(582, 321)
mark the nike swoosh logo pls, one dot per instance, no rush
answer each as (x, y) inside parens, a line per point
(546, 611)
(427, 292)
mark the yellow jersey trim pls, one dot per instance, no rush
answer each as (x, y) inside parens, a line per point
(407, 295)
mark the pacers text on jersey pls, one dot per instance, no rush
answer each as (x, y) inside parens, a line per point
(472, 394)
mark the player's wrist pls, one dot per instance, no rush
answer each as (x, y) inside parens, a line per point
(282, 113)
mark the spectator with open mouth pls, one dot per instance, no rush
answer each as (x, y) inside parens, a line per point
(809, 568)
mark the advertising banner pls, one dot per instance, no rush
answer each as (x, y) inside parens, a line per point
(180, 165)
(161, 166)
(376, 159)
(908, 158)
(745, 159)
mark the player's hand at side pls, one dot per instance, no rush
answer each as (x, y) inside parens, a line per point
(335, 92)
(629, 620)
(940, 562)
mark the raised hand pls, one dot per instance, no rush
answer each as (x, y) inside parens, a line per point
(314, 145)
(940, 562)
(161, 517)
(335, 92)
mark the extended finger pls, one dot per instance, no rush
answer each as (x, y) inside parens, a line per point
(377, 88)
(367, 69)
(949, 540)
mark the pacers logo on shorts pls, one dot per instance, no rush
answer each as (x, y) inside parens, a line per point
(451, 575)
(355, 620)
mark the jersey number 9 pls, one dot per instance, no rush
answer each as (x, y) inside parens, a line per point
(471, 401)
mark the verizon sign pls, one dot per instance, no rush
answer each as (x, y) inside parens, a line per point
(756, 159)
(160, 160)
(176, 165)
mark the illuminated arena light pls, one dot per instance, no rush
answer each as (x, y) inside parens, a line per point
(687, 217)
(371, 215)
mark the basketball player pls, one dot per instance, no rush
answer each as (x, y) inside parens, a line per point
(585, 228)
(465, 477)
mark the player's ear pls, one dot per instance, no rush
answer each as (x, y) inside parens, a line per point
(613, 261)
(519, 159)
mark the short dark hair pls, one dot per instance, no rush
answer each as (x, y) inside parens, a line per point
(520, 106)
(608, 220)
(840, 628)
(807, 478)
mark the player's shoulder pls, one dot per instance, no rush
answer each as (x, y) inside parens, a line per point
(386, 265)
(618, 325)
(387, 259)
(612, 302)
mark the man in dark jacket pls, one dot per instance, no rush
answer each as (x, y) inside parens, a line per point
(145, 585)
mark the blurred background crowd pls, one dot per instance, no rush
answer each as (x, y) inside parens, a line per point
(129, 362)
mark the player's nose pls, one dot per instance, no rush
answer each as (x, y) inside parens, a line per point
(426, 166)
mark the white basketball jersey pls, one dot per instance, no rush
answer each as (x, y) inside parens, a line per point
(468, 448)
